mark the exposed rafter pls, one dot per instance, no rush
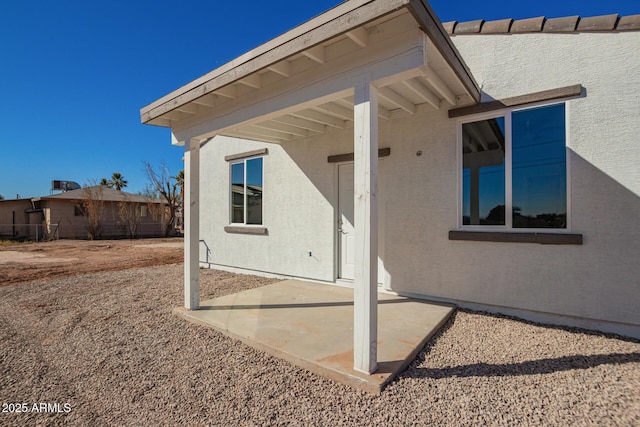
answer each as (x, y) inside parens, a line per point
(424, 93)
(188, 108)
(316, 53)
(321, 118)
(283, 68)
(270, 133)
(226, 91)
(207, 100)
(360, 36)
(441, 87)
(246, 135)
(252, 80)
(301, 123)
(397, 100)
(293, 130)
(383, 113)
(336, 110)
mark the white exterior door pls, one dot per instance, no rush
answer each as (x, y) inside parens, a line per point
(346, 234)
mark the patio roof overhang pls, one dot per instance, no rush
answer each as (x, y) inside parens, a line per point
(361, 61)
(301, 83)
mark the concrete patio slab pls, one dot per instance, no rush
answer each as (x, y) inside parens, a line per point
(311, 326)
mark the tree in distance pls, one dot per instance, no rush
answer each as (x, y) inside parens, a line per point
(117, 181)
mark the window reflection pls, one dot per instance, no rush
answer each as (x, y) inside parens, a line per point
(254, 191)
(246, 191)
(483, 179)
(539, 168)
(237, 193)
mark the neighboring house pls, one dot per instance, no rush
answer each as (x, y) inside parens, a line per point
(15, 219)
(489, 164)
(65, 215)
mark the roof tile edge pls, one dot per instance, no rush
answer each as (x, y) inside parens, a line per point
(567, 24)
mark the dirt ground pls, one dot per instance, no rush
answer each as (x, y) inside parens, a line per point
(22, 262)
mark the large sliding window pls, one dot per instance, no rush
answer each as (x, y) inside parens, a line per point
(514, 169)
(246, 191)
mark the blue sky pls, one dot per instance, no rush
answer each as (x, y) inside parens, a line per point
(74, 74)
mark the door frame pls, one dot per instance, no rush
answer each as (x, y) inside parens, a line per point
(383, 276)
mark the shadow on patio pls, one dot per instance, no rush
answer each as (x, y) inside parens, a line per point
(311, 326)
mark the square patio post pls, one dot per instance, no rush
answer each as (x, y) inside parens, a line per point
(191, 218)
(365, 297)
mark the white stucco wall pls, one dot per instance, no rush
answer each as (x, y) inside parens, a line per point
(298, 196)
(596, 284)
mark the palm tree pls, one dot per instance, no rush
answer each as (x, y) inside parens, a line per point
(117, 181)
(105, 183)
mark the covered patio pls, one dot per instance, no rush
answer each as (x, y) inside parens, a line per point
(356, 64)
(311, 326)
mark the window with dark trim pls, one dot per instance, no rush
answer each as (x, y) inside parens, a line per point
(514, 170)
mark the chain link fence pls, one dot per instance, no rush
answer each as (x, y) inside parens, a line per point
(28, 232)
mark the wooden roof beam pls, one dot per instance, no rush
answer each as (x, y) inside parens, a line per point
(316, 53)
(359, 36)
(293, 130)
(383, 113)
(336, 110)
(269, 133)
(252, 80)
(188, 108)
(283, 68)
(228, 91)
(424, 93)
(301, 123)
(323, 119)
(397, 100)
(441, 87)
(208, 100)
(244, 135)
(469, 144)
(477, 137)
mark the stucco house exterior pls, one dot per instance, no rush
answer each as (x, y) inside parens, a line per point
(15, 218)
(63, 215)
(489, 164)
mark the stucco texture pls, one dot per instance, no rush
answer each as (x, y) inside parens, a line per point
(596, 284)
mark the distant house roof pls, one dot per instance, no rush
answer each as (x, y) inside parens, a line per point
(108, 194)
(566, 24)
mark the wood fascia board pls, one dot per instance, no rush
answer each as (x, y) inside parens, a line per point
(430, 24)
(335, 22)
(259, 152)
(348, 157)
(530, 98)
(392, 56)
(269, 45)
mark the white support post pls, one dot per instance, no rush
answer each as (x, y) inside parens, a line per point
(365, 292)
(191, 218)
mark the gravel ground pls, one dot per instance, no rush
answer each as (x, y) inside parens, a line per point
(108, 345)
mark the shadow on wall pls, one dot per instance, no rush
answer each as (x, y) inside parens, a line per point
(310, 156)
(598, 280)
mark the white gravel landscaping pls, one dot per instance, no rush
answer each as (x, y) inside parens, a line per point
(108, 346)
